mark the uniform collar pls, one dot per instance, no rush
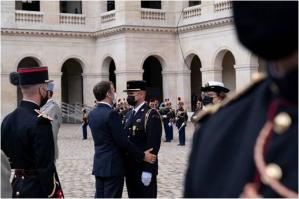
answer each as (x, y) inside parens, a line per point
(29, 104)
(136, 109)
(105, 103)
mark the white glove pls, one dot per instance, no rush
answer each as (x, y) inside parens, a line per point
(169, 124)
(146, 178)
(183, 124)
(164, 116)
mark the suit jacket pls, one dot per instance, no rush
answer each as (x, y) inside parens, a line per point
(52, 109)
(27, 140)
(144, 130)
(110, 142)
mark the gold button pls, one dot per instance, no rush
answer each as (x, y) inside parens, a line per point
(17, 193)
(282, 122)
(273, 171)
(274, 88)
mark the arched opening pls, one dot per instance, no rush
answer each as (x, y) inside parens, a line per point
(196, 81)
(27, 5)
(228, 71)
(27, 62)
(112, 76)
(153, 76)
(72, 82)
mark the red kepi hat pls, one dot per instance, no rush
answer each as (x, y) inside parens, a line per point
(27, 76)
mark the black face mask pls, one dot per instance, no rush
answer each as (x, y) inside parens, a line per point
(131, 100)
(207, 100)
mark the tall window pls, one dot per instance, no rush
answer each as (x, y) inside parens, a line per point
(110, 5)
(194, 3)
(151, 4)
(73, 7)
(28, 5)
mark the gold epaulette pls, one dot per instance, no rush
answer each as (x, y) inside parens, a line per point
(211, 109)
(41, 114)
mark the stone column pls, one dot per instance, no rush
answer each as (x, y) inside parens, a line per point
(211, 74)
(170, 85)
(122, 76)
(56, 77)
(243, 74)
(8, 95)
(89, 81)
(184, 88)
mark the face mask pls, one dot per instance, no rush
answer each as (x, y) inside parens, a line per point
(114, 98)
(207, 100)
(44, 100)
(131, 100)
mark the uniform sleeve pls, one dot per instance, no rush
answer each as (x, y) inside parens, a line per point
(154, 132)
(120, 137)
(44, 154)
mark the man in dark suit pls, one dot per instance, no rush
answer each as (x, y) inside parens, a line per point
(247, 146)
(144, 127)
(27, 138)
(110, 141)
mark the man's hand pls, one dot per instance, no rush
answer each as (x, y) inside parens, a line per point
(149, 157)
(146, 178)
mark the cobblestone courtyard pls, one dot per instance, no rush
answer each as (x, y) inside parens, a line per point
(76, 156)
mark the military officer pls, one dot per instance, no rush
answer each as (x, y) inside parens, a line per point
(144, 129)
(27, 138)
(51, 109)
(181, 122)
(247, 146)
(168, 117)
(214, 92)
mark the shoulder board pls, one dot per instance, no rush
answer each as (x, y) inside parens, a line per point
(211, 109)
(148, 114)
(43, 115)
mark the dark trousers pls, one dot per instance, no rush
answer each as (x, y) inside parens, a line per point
(84, 130)
(182, 136)
(136, 189)
(166, 129)
(171, 132)
(109, 187)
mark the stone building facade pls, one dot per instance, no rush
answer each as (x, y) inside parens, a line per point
(175, 45)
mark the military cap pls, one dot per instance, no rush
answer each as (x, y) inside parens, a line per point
(27, 76)
(214, 86)
(136, 85)
(263, 31)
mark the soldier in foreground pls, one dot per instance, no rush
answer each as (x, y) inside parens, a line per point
(144, 128)
(27, 138)
(247, 146)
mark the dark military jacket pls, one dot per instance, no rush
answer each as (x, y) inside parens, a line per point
(181, 117)
(27, 140)
(145, 131)
(225, 149)
(167, 115)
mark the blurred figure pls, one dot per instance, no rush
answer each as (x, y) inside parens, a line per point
(84, 123)
(247, 146)
(51, 109)
(6, 189)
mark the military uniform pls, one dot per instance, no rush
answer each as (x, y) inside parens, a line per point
(251, 139)
(181, 123)
(168, 117)
(51, 109)
(144, 129)
(27, 140)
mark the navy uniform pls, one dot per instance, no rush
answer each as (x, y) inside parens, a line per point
(248, 145)
(168, 116)
(144, 129)
(27, 140)
(181, 123)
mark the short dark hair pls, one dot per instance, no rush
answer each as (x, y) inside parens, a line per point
(100, 90)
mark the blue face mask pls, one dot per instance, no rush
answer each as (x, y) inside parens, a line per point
(207, 100)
